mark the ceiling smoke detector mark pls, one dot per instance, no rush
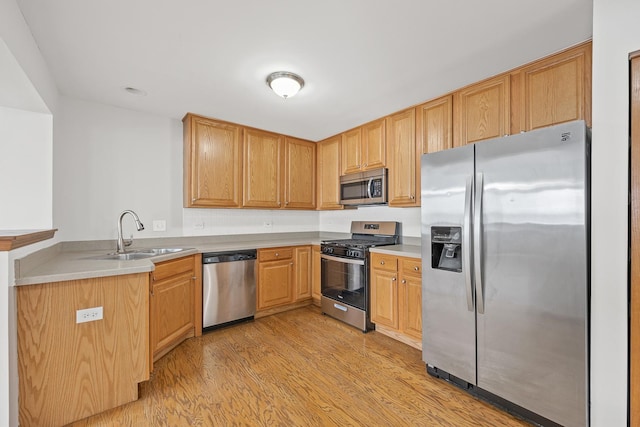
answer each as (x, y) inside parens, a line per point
(135, 91)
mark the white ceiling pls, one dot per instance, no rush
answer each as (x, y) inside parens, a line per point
(361, 59)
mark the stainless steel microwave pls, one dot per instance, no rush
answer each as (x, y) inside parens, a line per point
(364, 188)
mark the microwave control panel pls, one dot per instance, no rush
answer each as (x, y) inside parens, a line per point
(376, 188)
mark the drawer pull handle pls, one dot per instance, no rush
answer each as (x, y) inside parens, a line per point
(394, 279)
(416, 268)
(404, 281)
(381, 262)
(277, 254)
(340, 307)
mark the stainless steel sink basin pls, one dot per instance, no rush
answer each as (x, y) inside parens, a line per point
(137, 254)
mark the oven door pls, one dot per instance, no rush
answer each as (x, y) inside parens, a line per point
(344, 280)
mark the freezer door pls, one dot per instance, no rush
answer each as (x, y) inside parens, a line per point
(533, 257)
(448, 314)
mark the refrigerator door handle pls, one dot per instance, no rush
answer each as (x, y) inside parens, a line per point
(477, 242)
(466, 242)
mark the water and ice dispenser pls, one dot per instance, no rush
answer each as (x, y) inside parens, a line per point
(446, 248)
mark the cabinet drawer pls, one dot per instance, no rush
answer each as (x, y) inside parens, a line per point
(173, 267)
(275, 254)
(411, 266)
(384, 262)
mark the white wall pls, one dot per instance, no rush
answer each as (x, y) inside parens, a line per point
(340, 221)
(108, 159)
(616, 33)
(26, 83)
(25, 169)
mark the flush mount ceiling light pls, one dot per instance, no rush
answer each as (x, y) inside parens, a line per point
(284, 83)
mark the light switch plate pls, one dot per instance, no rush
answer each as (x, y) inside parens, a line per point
(89, 314)
(159, 225)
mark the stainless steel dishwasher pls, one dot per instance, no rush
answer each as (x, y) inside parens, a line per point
(228, 287)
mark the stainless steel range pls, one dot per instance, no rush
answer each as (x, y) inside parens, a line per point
(345, 271)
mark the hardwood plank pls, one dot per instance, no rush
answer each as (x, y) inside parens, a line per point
(298, 368)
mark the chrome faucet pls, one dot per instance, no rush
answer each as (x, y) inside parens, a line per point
(121, 243)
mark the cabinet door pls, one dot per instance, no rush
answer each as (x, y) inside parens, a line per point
(300, 174)
(556, 89)
(329, 173)
(411, 323)
(274, 283)
(373, 145)
(171, 311)
(212, 163)
(303, 279)
(262, 169)
(351, 151)
(384, 298)
(434, 125)
(401, 153)
(315, 275)
(482, 111)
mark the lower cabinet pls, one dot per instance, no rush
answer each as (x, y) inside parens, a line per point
(284, 279)
(173, 304)
(73, 364)
(316, 286)
(396, 297)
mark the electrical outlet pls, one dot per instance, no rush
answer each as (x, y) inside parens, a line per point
(88, 314)
(199, 225)
(159, 225)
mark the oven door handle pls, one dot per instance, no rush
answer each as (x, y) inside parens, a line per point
(342, 260)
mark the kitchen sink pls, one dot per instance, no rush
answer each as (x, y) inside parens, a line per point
(137, 254)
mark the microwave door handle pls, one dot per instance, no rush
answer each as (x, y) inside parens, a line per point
(369, 185)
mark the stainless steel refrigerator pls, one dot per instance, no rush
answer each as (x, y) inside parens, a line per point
(505, 247)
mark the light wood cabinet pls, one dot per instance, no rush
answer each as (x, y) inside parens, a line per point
(284, 279)
(396, 297)
(363, 148)
(384, 291)
(351, 151)
(303, 271)
(328, 172)
(262, 169)
(434, 125)
(553, 90)
(173, 304)
(316, 276)
(68, 370)
(410, 277)
(275, 277)
(300, 174)
(403, 159)
(374, 145)
(482, 111)
(212, 163)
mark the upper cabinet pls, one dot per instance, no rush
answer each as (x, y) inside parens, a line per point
(227, 165)
(262, 169)
(363, 148)
(402, 159)
(299, 174)
(374, 145)
(212, 163)
(553, 90)
(481, 111)
(328, 173)
(434, 125)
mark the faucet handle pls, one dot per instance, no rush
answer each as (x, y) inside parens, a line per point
(128, 242)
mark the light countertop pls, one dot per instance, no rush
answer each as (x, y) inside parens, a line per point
(411, 251)
(76, 260)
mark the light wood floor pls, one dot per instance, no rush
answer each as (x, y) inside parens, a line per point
(298, 368)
